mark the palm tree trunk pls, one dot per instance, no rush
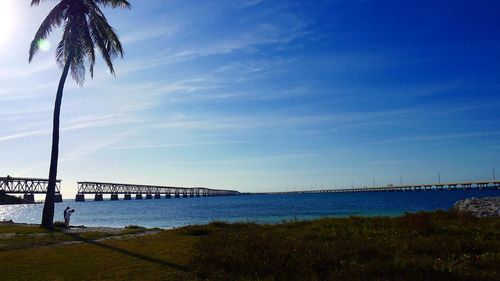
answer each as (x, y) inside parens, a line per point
(48, 207)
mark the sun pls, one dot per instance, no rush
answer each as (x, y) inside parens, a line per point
(6, 19)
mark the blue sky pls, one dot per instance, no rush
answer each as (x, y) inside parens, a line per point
(264, 95)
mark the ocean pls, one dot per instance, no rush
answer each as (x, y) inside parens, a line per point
(176, 212)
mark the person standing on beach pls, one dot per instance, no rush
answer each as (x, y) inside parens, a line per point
(67, 215)
(65, 220)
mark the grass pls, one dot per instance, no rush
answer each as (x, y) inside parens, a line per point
(160, 256)
(422, 246)
(16, 236)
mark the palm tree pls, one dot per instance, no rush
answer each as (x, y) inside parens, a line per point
(85, 29)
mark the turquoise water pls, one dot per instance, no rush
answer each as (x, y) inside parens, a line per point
(175, 212)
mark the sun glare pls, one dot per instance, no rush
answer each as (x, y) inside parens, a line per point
(6, 20)
(43, 44)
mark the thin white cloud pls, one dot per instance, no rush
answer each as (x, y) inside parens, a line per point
(23, 92)
(27, 70)
(259, 159)
(173, 145)
(25, 134)
(429, 138)
(392, 163)
(147, 33)
(75, 124)
(78, 153)
(93, 122)
(246, 3)
(31, 168)
(242, 42)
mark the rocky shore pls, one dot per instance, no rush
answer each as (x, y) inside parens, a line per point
(11, 200)
(479, 207)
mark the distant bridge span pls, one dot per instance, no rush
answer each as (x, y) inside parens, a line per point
(466, 185)
(150, 191)
(28, 187)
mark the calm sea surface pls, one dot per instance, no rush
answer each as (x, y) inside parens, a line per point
(174, 212)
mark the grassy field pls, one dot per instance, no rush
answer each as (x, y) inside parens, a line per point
(422, 246)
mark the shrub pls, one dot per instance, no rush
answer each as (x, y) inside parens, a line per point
(59, 224)
(197, 230)
(133, 226)
(419, 246)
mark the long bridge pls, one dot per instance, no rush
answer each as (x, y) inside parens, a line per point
(149, 191)
(31, 186)
(466, 185)
(28, 187)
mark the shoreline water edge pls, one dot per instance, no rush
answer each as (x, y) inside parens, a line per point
(177, 212)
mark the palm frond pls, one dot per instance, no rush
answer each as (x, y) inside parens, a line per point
(89, 48)
(61, 53)
(113, 42)
(77, 67)
(85, 29)
(53, 20)
(104, 36)
(97, 37)
(65, 45)
(114, 3)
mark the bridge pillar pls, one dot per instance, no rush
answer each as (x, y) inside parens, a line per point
(481, 186)
(157, 196)
(184, 195)
(177, 195)
(98, 197)
(29, 197)
(191, 194)
(57, 198)
(168, 195)
(138, 196)
(114, 196)
(127, 196)
(80, 198)
(149, 196)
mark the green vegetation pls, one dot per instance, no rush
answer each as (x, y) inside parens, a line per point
(16, 236)
(133, 226)
(422, 246)
(59, 224)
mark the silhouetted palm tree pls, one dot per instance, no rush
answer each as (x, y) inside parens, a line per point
(85, 29)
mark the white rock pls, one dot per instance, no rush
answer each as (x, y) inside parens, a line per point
(479, 207)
